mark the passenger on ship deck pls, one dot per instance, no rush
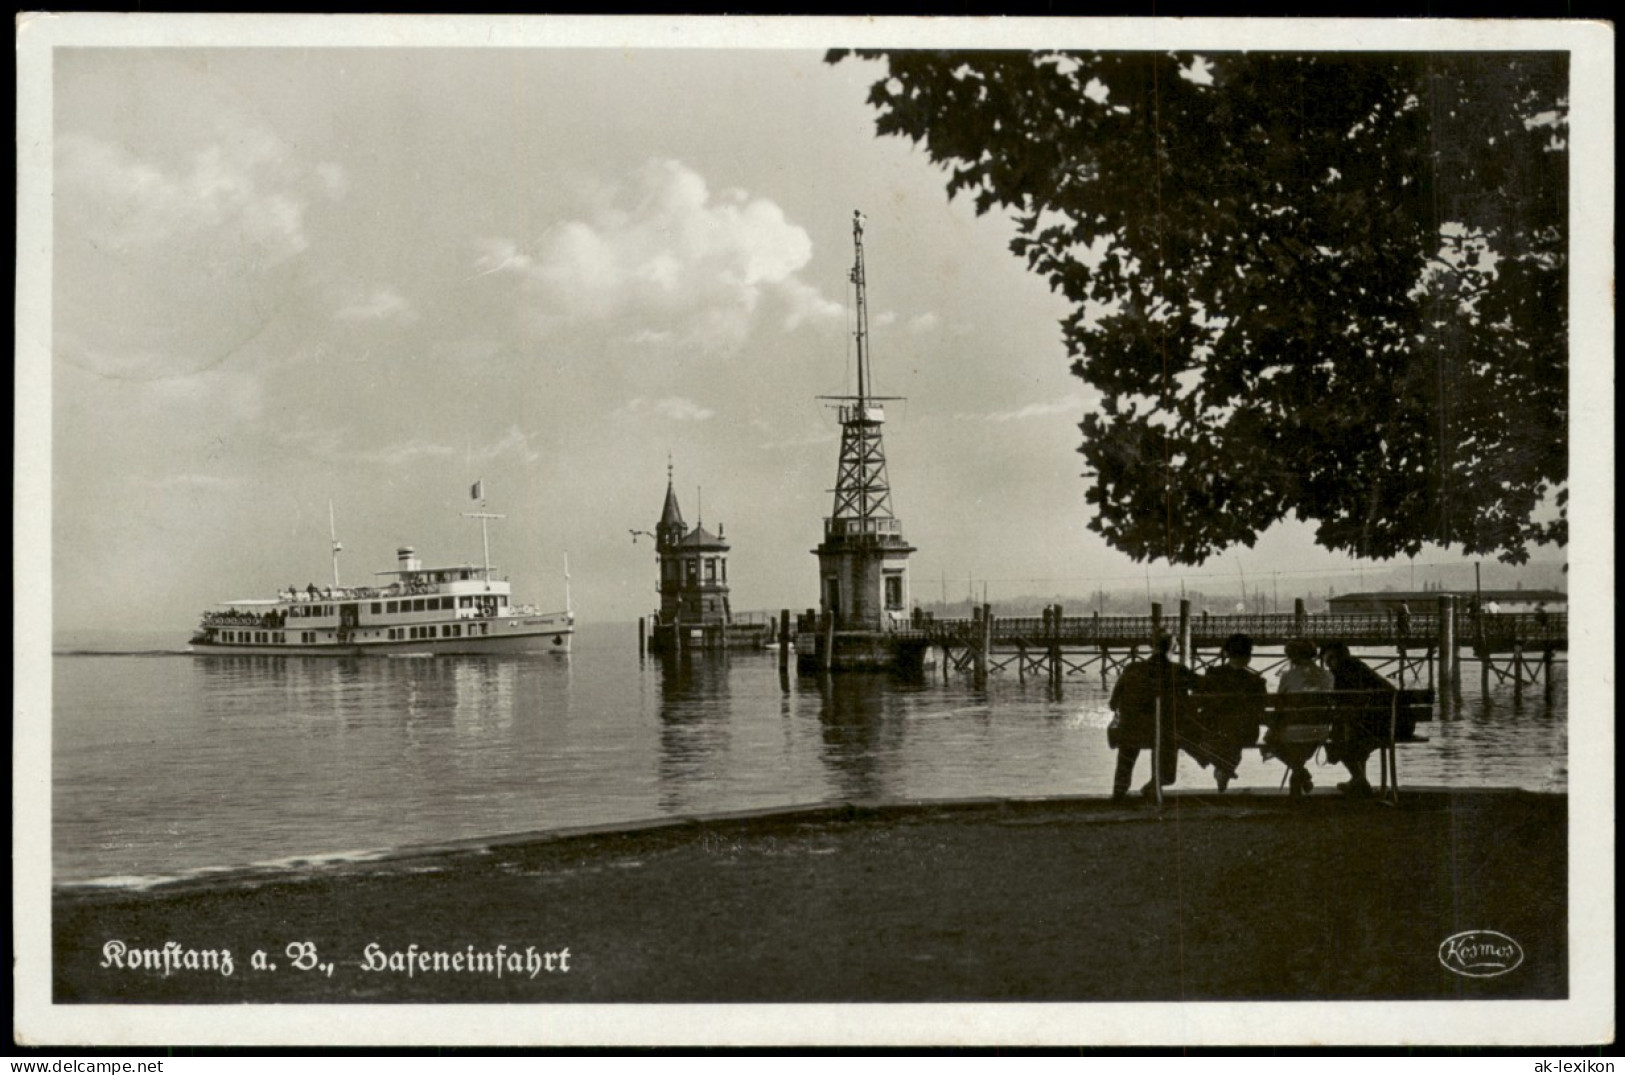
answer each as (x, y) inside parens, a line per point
(1365, 729)
(1225, 727)
(1135, 700)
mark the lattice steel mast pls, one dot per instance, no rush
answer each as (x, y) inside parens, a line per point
(863, 557)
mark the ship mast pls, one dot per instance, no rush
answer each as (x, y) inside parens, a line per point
(485, 535)
(333, 536)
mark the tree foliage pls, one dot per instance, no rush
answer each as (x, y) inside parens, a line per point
(1330, 285)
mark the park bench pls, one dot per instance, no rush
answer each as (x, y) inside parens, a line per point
(1303, 722)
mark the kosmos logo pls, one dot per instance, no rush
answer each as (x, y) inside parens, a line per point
(1480, 953)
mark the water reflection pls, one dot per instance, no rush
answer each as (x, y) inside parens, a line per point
(694, 716)
(861, 720)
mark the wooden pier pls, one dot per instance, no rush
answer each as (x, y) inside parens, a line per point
(1426, 650)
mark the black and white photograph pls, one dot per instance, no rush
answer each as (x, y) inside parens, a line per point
(562, 531)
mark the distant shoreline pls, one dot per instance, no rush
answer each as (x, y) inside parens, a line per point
(1242, 896)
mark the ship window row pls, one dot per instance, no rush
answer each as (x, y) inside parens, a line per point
(435, 604)
(268, 638)
(445, 630)
(313, 610)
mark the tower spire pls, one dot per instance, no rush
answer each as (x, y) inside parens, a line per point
(671, 528)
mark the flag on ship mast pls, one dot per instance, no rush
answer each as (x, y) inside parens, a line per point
(477, 490)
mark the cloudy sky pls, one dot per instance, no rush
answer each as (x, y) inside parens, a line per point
(288, 276)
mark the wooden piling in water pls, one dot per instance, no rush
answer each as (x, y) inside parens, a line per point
(1449, 656)
(642, 643)
(984, 643)
(1546, 672)
(829, 640)
(1055, 667)
(1517, 669)
(784, 639)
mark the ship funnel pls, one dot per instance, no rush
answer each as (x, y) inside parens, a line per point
(406, 558)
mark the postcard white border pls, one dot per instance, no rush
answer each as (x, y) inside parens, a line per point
(1587, 1017)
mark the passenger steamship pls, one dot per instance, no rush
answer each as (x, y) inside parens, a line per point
(460, 609)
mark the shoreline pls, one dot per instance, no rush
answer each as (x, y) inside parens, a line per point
(1244, 896)
(320, 864)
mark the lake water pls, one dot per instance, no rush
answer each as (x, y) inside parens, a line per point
(165, 764)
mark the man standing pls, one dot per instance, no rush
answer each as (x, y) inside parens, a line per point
(1146, 689)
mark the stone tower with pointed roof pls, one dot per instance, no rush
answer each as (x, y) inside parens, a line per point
(693, 569)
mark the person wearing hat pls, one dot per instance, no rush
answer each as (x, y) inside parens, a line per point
(1295, 736)
(1230, 722)
(1146, 689)
(1363, 730)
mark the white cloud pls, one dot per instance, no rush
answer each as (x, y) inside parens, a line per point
(648, 336)
(500, 255)
(331, 445)
(383, 304)
(1071, 404)
(664, 253)
(884, 319)
(928, 322)
(228, 192)
(514, 442)
(675, 408)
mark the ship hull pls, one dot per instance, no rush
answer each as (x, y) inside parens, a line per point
(519, 638)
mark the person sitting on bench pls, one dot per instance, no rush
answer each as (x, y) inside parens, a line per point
(1365, 729)
(1295, 736)
(1145, 690)
(1226, 727)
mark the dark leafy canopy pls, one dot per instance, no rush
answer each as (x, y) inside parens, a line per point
(1330, 285)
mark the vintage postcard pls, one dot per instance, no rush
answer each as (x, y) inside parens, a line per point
(627, 531)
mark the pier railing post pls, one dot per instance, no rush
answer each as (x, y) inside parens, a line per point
(1300, 618)
(1184, 631)
(1156, 623)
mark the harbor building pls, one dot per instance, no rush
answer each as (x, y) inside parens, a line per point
(695, 609)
